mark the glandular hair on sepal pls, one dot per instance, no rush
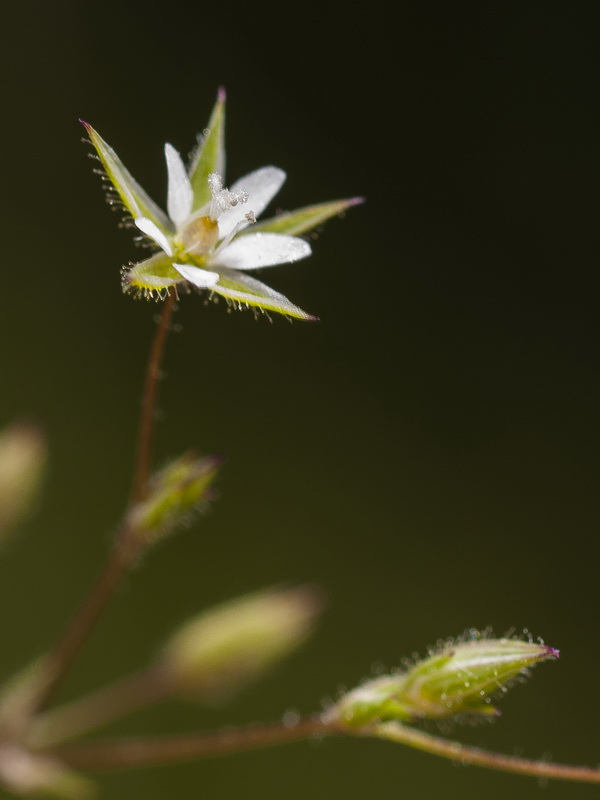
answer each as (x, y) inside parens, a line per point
(457, 678)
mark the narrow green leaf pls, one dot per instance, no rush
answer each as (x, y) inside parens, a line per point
(209, 155)
(133, 197)
(303, 219)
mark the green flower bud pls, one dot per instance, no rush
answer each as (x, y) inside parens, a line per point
(217, 653)
(458, 679)
(22, 461)
(175, 492)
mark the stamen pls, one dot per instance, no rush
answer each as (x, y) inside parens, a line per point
(223, 199)
(243, 223)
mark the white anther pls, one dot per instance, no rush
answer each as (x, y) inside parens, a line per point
(223, 199)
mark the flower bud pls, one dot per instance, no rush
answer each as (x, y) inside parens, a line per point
(218, 652)
(458, 679)
(22, 460)
(174, 494)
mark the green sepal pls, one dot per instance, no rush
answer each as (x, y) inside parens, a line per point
(244, 291)
(465, 676)
(459, 680)
(302, 220)
(377, 699)
(133, 197)
(209, 155)
(152, 275)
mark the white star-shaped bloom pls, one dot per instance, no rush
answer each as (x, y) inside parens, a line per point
(210, 237)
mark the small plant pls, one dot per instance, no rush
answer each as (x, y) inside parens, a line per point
(209, 240)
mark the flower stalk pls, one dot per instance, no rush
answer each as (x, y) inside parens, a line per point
(153, 751)
(208, 658)
(477, 757)
(146, 751)
(128, 546)
(56, 664)
(140, 690)
(143, 456)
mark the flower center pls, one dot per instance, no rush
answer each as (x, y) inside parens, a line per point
(200, 235)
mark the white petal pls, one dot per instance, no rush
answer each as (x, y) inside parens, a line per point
(153, 231)
(262, 250)
(180, 195)
(261, 185)
(202, 278)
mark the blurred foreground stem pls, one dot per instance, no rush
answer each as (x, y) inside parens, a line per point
(105, 705)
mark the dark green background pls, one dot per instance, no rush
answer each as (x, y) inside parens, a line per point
(428, 452)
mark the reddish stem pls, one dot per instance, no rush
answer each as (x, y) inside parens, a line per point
(142, 752)
(66, 649)
(145, 439)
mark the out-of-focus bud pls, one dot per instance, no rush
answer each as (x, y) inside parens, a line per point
(30, 775)
(217, 653)
(22, 461)
(458, 679)
(175, 493)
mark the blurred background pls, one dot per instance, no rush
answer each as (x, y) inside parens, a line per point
(427, 452)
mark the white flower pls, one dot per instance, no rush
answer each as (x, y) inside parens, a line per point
(209, 236)
(205, 238)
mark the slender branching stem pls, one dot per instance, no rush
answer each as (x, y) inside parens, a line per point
(403, 734)
(143, 752)
(59, 660)
(145, 440)
(140, 690)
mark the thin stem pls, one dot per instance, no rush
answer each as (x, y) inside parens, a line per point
(57, 662)
(61, 657)
(145, 439)
(395, 732)
(98, 708)
(142, 752)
